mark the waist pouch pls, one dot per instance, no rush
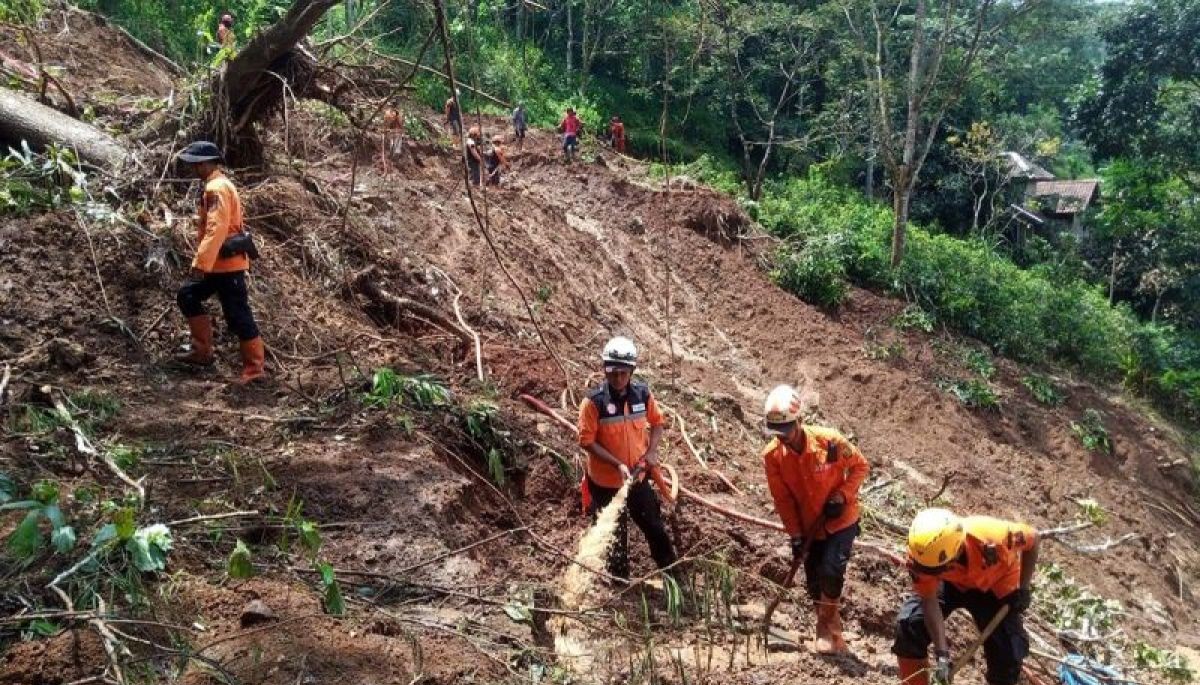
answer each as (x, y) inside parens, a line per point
(242, 243)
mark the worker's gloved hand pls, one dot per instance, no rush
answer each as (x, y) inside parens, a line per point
(941, 669)
(835, 506)
(797, 547)
(1020, 600)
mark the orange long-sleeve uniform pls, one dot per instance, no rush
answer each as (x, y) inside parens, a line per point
(621, 426)
(220, 217)
(801, 482)
(993, 558)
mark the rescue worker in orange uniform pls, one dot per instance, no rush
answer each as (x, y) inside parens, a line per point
(977, 563)
(814, 475)
(616, 131)
(218, 270)
(620, 426)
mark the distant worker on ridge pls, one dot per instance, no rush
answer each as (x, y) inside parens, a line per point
(570, 127)
(495, 160)
(616, 131)
(620, 426)
(814, 475)
(977, 563)
(453, 117)
(219, 267)
(474, 155)
(520, 125)
(225, 35)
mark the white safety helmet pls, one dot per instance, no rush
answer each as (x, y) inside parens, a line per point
(782, 410)
(620, 352)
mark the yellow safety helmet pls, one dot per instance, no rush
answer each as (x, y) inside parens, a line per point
(935, 537)
(782, 410)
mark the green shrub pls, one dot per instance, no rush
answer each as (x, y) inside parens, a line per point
(1043, 390)
(974, 393)
(913, 317)
(814, 272)
(1091, 432)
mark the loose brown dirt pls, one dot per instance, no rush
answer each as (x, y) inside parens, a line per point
(597, 248)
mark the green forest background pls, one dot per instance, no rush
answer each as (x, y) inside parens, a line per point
(829, 119)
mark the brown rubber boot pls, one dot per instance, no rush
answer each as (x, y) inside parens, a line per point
(833, 623)
(913, 671)
(822, 643)
(202, 342)
(253, 361)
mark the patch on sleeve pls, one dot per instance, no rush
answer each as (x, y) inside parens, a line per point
(212, 200)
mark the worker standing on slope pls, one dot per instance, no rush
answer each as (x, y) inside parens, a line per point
(619, 427)
(520, 125)
(219, 267)
(814, 475)
(977, 563)
(570, 127)
(225, 35)
(616, 132)
(453, 117)
(495, 160)
(474, 153)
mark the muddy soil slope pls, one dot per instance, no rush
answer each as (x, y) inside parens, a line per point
(443, 535)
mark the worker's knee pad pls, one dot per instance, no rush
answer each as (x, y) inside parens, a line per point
(190, 300)
(912, 638)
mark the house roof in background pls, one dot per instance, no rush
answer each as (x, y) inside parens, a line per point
(1020, 167)
(1071, 197)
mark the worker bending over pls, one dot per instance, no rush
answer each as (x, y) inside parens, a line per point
(977, 563)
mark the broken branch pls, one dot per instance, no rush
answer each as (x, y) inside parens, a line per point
(84, 445)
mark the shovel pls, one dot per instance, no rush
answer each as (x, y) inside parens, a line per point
(791, 575)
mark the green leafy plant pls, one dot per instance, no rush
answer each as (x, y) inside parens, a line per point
(332, 599)
(1043, 390)
(239, 565)
(1092, 512)
(914, 318)
(673, 598)
(980, 363)
(421, 391)
(974, 393)
(1171, 665)
(1091, 432)
(28, 538)
(1070, 606)
(34, 181)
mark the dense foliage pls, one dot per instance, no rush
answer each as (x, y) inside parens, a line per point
(803, 110)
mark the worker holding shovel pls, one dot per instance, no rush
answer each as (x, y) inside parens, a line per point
(619, 427)
(814, 475)
(978, 563)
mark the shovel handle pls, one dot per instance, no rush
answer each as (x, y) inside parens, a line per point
(983, 637)
(791, 575)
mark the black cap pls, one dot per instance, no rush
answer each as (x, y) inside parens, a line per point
(201, 151)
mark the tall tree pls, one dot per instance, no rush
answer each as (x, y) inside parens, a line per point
(916, 67)
(1146, 102)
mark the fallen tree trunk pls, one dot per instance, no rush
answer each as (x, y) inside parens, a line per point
(40, 126)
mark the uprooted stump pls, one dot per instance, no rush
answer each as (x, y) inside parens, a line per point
(721, 223)
(396, 307)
